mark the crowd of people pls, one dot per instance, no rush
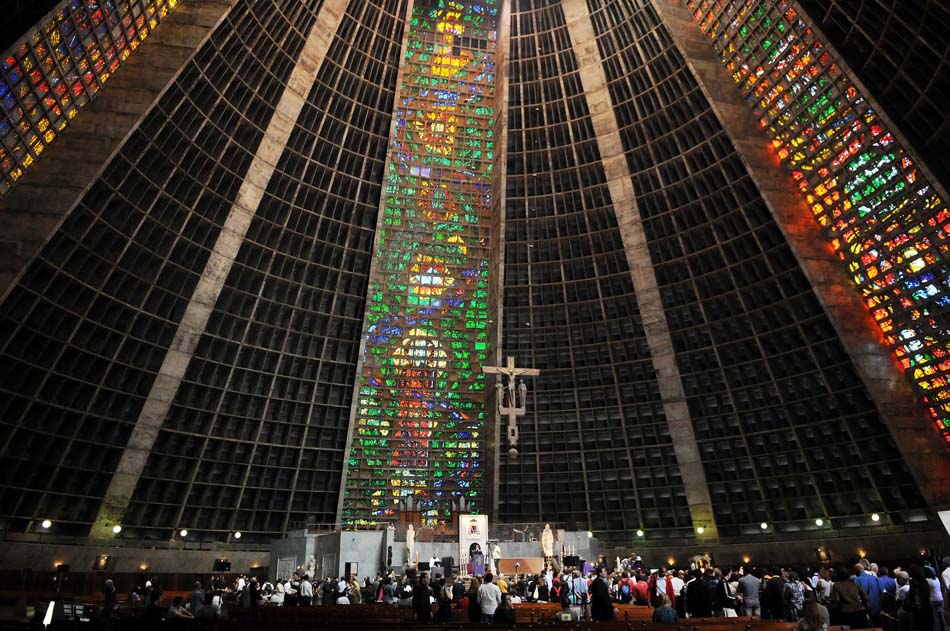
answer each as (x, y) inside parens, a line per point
(863, 596)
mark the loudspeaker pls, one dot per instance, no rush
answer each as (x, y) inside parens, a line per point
(436, 574)
(221, 565)
(389, 557)
(448, 563)
(572, 561)
(423, 566)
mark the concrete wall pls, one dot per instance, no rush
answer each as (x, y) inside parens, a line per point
(39, 201)
(887, 549)
(31, 567)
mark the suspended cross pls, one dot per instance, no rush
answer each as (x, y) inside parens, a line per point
(510, 402)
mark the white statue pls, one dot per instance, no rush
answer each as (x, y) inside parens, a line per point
(312, 567)
(411, 542)
(547, 541)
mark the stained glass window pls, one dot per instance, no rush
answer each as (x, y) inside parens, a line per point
(60, 67)
(880, 213)
(419, 428)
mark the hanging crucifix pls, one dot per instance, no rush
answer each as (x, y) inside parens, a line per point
(511, 400)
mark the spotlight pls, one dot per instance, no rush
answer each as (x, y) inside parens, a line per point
(116, 529)
(590, 534)
(46, 524)
(700, 530)
(819, 522)
(639, 533)
(764, 526)
(875, 517)
(183, 532)
(237, 535)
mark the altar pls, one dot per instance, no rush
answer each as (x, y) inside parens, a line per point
(379, 552)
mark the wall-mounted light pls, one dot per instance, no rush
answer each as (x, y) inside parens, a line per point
(819, 522)
(116, 529)
(183, 532)
(764, 526)
(639, 533)
(237, 535)
(875, 517)
(746, 558)
(700, 530)
(46, 524)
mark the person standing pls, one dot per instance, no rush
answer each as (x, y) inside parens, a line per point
(388, 592)
(253, 589)
(823, 587)
(698, 597)
(489, 597)
(601, 606)
(773, 596)
(474, 609)
(794, 597)
(888, 590)
(872, 587)
(936, 599)
(458, 590)
(726, 599)
(625, 589)
(109, 600)
(196, 599)
(444, 596)
(578, 586)
(678, 580)
(749, 586)
(849, 603)
(292, 597)
(421, 603)
(305, 595)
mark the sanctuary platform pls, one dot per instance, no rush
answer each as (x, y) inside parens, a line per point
(376, 552)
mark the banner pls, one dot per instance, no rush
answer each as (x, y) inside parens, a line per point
(473, 529)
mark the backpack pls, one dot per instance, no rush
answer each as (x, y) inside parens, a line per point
(625, 589)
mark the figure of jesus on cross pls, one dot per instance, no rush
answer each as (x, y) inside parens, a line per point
(511, 403)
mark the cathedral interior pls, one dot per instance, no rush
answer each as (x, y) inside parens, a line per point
(255, 254)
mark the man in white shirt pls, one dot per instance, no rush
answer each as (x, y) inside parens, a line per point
(678, 583)
(945, 575)
(306, 592)
(489, 597)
